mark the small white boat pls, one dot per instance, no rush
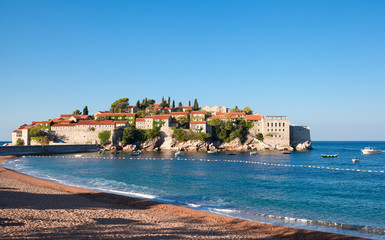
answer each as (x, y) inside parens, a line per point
(78, 156)
(253, 153)
(355, 160)
(211, 152)
(370, 150)
(179, 154)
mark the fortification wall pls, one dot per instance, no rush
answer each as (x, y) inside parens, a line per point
(47, 149)
(74, 136)
(299, 135)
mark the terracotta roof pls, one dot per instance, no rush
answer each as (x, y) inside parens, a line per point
(156, 105)
(62, 121)
(169, 108)
(161, 116)
(197, 122)
(198, 112)
(230, 113)
(38, 122)
(81, 116)
(185, 107)
(65, 115)
(220, 117)
(64, 125)
(106, 122)
(140, 120)
(121, 121)
(178, 113)
(253, 117)
(131, 106)
(149, 116)
(115, 114)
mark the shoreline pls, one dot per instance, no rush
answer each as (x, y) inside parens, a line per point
(152, 219)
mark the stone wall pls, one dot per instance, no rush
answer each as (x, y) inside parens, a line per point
(299, 135)
(75, 136)
(47, 149)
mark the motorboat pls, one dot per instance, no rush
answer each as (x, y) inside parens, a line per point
(370, 150)
(286, 152)
(179, 154)
(253, 153)
(78, 156)
(231, 154)
(355, 160)
(135, 153)
(329, 155)
(211, 152)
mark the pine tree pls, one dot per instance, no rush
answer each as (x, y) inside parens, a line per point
(138, 104)
(196, 106)
(85, 110)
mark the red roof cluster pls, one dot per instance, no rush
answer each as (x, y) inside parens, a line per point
(230, 113)
(179, 113)
(81, 117)
(140, 119)
(65, 115)
(115, 114)
(253, 117)
(197, 122)
(198, 112)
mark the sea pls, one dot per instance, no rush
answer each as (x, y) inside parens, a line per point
(300, 190)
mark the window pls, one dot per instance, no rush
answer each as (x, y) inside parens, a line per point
(276, 124)
(283, 130)
(279, 124)
(267, 129)
(283, 124)
(268, 124)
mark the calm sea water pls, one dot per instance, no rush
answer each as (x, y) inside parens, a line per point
(299, 190)
(4, 142)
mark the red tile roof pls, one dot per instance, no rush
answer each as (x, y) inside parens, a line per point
(178, 113)
(140, 120)
(156, 105)
(161, 116)
(65, 115)
(230, 113)
(185, 107)
(64, 125)
(198, 112)
(253, 117)
(81, 117)
(106, 122)
(220, 117)
(197, 122)
(114, 114)
(121, 122)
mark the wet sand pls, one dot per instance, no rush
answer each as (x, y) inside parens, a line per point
(32, 208)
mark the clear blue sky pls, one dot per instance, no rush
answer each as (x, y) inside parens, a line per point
(322, 63)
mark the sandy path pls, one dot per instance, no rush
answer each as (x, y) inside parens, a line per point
(32, 208)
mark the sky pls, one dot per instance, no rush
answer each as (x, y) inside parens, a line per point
(321, 63)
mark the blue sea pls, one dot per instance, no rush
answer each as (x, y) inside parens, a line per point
(4, 142)
(299, 190)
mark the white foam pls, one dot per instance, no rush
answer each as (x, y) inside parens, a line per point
(194, 205)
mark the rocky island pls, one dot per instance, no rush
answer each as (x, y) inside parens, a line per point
(148, 126)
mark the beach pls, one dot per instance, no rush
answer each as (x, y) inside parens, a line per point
(32, 208)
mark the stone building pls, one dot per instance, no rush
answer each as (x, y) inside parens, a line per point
(214, 109)
(144, 123)
(200, 126)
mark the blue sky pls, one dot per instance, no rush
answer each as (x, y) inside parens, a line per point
(321, 63)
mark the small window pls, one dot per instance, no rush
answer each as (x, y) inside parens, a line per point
(279, 124)
(268, 124)
(283, 124)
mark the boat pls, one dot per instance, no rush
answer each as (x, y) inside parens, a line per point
(329, 156)
(179, 154)
(370, 150)
(355, 160)
(253, 153)
(136, 153)
(286, 152)
(78, 155)
(211, 152)
(231, 154)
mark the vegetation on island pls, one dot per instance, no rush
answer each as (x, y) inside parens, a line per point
(119, 106)
(188, 134)
(76, 112)
(104, 137)
(19, 142)
(131, 134)
(226, 131)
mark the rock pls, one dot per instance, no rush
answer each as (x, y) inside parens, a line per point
(130, 148)
(152, 145)
(303, 146)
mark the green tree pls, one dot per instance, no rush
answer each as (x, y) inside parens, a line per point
(140, 114)
(183, 122)
(85, 110)
(260, 137)
(119, 106)
(173, 104)
(150, 102)
(247, 110)
(196, 105)
(138, 104)
(76, 112)
(168, 101)
(104, 137)
(236, 109)
(36, 131)
(131, 135)
(19, 142)
(189, 103)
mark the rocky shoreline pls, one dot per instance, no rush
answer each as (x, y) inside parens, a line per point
(170, 144)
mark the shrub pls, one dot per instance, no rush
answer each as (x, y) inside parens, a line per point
(104, 137)
(92, 129)
(260, 137)
(19, 142)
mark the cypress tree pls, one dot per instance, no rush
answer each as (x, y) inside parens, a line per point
(173, 104)
(85, 110)
(168, 101)
(196, 106)
(189, 103)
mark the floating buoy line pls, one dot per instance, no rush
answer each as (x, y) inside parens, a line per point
(230, 161)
